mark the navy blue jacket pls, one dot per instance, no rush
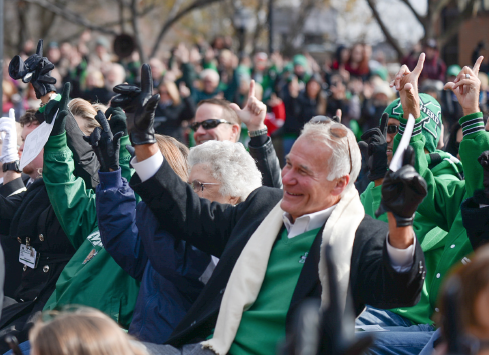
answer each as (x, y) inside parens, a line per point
(169, 269)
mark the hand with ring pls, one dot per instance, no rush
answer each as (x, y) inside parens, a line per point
(466, 87)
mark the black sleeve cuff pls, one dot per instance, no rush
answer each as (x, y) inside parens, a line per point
(258, 141)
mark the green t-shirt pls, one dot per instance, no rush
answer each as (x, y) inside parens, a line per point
(263, 325)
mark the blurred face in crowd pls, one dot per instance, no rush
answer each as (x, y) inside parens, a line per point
(54, 54)
(223, 132)
(299, 70)
(304, 176)
(34, 168)
(390, 136)
(313, 88)
(201, 173)
(157, 68)
(65, 49)
(357, 53)
(209, 84)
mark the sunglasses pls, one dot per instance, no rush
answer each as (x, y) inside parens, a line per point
(392, 129)
(198, 186)
(208, 124)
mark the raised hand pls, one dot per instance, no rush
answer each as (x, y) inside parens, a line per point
(57, 107)
(9, 138)
(254, 113)
(374, 145)
(105, 145)
(139, 105)
(466, 87)
(403, 191)
(35, 70)
(117, 120)
(406, 82)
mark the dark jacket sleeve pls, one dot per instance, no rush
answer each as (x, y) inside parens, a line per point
(476, 219)
(116, 213)
(377, 283)
(181, 212)
(11, 187)
(267, 162)
(171, 257)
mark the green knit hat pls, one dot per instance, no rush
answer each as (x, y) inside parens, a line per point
(301, 60)
(429, 124)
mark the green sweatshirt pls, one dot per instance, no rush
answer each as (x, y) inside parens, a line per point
(91, 278)
(430, 237)
(442, 204)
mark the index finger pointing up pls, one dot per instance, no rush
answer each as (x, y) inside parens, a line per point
(419, 67)
(252, 89)
(146, 79)
(477, 65)
(39, 47)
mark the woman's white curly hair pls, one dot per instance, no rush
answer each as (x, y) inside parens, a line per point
(230, 164)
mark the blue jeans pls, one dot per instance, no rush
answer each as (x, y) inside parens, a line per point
(401, 338)
(25, 347)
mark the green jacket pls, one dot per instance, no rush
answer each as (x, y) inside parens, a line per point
(91, 278)
(430, 237)
(442, 204)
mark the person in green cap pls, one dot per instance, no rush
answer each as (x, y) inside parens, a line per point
(415, 320)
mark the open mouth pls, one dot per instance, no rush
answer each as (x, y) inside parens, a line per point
(291, 194)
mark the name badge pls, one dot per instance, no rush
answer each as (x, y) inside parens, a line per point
(28, 256)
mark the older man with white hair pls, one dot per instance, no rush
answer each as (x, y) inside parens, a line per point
(270, 244)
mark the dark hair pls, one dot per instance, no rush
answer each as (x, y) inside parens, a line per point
(30, 117)
(229, 114)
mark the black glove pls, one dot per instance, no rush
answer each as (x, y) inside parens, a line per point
(403, 191)
(117, 120)
(105, 144)
(374, 146)
(58, 108)
(36, 70)
(140, 105)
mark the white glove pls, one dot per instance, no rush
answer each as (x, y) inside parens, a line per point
(9, 138)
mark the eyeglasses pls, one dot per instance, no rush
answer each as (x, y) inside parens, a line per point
(199, 186)
(338, 130)
(208, 124)
(392, 129)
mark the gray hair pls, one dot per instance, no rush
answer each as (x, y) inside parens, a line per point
(342, 149)
(230, 164)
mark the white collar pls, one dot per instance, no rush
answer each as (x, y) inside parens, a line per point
(306, 222)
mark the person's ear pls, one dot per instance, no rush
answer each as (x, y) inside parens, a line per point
(341, 184)
(236, 131)
(233, 200)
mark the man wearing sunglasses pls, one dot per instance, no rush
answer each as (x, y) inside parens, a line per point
(217, 119)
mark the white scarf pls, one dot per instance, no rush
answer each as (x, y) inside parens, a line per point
(249, 271)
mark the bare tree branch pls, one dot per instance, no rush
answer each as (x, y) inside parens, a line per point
(388, 36)
(305, 9)
(421, 19)
(196, 4)
(72, 16)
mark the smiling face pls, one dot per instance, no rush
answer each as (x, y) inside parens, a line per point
(390, 138)
(223, 132)
(306, 187)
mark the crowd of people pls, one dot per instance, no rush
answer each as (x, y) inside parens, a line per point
(289, 192)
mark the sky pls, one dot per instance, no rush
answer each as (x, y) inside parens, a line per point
(359, 24)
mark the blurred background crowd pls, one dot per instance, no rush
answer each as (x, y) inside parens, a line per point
(295, 88)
